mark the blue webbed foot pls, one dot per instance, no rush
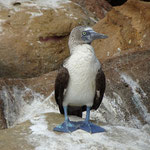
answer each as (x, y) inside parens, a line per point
(90, 127)
(66, 126)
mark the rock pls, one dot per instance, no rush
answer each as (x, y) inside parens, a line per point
(124, 112)
(34, 39)
(127, 93)
(128, 90)
(97, 7)
(127, 27)
(17, 93)
(14, 138)
(28, 106)
(37, 133)
(3, 124)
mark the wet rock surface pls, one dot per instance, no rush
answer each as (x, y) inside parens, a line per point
(126, 97)
(124, 112)
(15, 93)
(128, 77)
(15, 138)
(3, 124)
(38, 134)
(27, 105)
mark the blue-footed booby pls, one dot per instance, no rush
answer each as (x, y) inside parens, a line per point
(80, 82)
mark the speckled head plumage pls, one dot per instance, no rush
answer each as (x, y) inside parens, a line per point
(83, 35)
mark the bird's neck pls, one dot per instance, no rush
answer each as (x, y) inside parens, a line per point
(83, 48)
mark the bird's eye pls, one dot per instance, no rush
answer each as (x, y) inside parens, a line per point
(83, 33)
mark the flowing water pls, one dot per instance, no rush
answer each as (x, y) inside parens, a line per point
(121, 134)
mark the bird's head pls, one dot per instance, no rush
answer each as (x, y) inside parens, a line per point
(84, 35)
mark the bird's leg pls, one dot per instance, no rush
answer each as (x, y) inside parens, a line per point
(87, 114)
(89, 126)
(67, 125)
(66, 114)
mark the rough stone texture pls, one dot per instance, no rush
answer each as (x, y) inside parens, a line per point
(14, 92)
(14, 138)
(40, 135)
(133, 61)
(136, 65)
(34, 41)
(126, 34)
(3, 124)
(98, 7)
(39, 48)
(127, 27)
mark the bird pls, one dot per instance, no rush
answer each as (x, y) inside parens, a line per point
(80, 83)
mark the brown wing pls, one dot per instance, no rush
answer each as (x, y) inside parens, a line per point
(100, 89)
(61, 84)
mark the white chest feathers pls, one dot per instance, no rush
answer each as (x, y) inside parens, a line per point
(82, 66)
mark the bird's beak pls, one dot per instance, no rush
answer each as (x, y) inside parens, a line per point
(96, 35)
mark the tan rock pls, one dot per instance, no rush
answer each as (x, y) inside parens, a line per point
(98, 7)
(127, 27)
(17, 94)
(38, 134)
(34, 40)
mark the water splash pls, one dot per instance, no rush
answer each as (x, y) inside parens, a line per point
(34, 106)
(12, 104)
(38, 105)
(22, 104)
(138, 93)
(113, 112)
(110, 111)
(115, 138)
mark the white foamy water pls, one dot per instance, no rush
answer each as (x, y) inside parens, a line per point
(42, 138)
(39, 105)
(18, 109)
(120, 135)
(138, 93)
(116, 138)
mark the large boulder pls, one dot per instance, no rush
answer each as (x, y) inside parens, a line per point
(127, 27)
(34, 35)
(98, 8)
(126, 97)
(15, 94)
(128, 91)
(124, 112)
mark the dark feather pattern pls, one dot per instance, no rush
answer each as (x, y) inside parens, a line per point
(100, 86)
(61, 84)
